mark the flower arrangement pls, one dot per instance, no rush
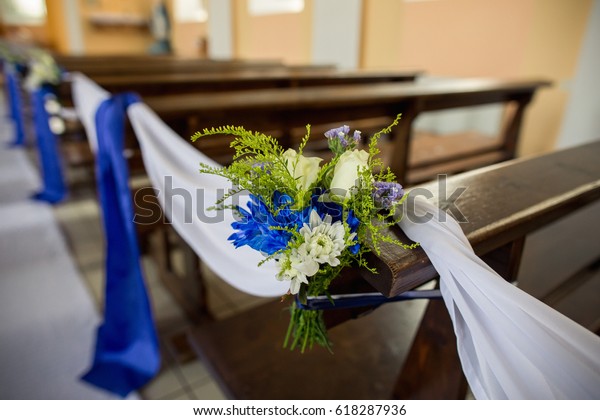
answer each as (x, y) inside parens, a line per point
(37, 66)
(42, 70)
(312, 217)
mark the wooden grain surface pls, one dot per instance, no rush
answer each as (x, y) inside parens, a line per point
(501, 203)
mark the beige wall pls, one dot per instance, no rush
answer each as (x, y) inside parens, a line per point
(381, 34)
(100, 39)
(488, 38)
(551, 50)
(28, 34)
(285, 37)
(57, 26)
(187, 39)
(115, 39)
(97, 40)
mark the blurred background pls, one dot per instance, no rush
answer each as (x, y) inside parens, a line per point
(553, 39)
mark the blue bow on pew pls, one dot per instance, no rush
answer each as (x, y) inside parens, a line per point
(15, 104)
(53, 189)
(127, 353)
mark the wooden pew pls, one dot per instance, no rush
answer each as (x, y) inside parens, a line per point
(187, 288)
(284, 110)
(287, 110)
(245, 354)
(78, 155)
(151, 65)
(242, 79)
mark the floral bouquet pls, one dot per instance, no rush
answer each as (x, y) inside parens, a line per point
(313, 218)
(42, 70)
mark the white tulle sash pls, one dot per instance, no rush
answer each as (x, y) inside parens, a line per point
(170, 159)
(511, 345)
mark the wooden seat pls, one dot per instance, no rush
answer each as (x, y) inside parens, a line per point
(245, 354)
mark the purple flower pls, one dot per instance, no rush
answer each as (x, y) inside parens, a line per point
(340, 132)
(357, 136)
(386, 194)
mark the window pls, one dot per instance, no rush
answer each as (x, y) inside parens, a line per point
(271, 7)
(23, 12)
(190, 11)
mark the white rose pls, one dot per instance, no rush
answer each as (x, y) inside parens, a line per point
(304, 170)
(347, 171)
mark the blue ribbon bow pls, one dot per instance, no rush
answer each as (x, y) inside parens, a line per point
(54, 189)
(127, 352)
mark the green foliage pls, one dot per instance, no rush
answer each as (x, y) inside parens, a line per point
(258, 165)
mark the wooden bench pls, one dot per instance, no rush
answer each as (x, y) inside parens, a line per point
(286, 111)
(94, 66)
(187, 289)
(368, 105)
(78, 154)
(239, 79)
(245, 354)
(282, 111)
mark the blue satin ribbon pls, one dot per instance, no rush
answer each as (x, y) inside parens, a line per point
(127, 353)
(363, 299)
(15, 104)
(53, 188)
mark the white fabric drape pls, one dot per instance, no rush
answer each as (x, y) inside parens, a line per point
(511, 345)
(87, 97)
(170, 159)
(173, 166)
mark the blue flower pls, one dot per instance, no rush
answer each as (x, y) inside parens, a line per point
(258, 227)
(255, 228)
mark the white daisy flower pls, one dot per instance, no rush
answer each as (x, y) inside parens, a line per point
(324, 241)
(296, 268)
